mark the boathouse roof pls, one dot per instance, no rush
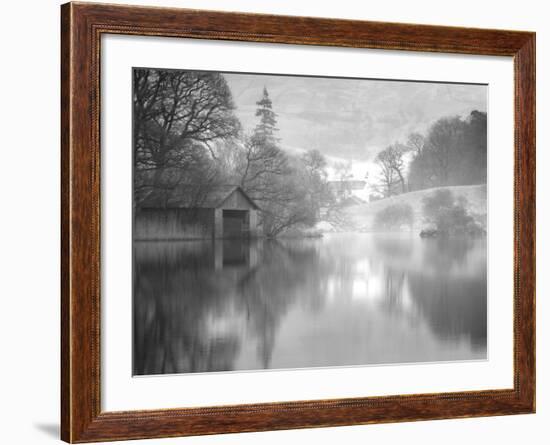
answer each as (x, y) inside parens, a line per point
(194, 196)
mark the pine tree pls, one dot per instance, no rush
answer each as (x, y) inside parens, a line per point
(267, 127)
(264, 162)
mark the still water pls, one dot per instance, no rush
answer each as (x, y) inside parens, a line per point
(340, 300)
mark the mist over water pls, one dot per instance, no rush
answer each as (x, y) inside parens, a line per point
(340, 300)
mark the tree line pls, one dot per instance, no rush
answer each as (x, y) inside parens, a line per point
(186, 133)
(452, 152)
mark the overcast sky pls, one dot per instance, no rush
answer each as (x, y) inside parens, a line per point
(351, 119)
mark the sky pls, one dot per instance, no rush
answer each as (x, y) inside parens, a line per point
(350, 119)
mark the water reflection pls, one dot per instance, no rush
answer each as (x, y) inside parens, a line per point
(346, 299)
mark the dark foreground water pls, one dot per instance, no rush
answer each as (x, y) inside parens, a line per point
(345, 299)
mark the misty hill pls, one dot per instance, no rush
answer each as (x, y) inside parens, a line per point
(362, 216)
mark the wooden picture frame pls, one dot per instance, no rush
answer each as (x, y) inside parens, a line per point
(82, 25)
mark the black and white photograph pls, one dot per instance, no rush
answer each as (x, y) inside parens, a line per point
(279, 221)
(290, 222)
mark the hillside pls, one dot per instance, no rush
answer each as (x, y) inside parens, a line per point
(361, 217)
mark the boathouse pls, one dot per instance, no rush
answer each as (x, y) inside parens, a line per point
(184, 213)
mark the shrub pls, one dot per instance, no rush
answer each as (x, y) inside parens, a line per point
(393, 217)
(449, 216)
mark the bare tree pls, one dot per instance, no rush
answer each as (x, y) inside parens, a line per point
(416, 143)
(148, 86)
(392, 165)
(177, 116)
(289, 203)
(316, 179)
(388, 178)
(261, 160)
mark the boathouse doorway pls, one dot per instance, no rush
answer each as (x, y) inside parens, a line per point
(235, 223)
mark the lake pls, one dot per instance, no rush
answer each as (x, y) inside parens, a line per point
(341, 300)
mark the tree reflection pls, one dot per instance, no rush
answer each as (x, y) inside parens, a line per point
(173, 303)
(203, 306)
(450, 289)
(190, 316)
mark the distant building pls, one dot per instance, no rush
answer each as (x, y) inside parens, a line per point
(346, 191)
(188, 212)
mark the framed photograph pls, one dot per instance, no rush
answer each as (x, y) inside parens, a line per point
(274, 222)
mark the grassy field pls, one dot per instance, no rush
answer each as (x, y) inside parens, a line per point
(361, 217)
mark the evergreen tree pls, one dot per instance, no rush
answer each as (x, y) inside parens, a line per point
(267, 127)
(263, 159)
